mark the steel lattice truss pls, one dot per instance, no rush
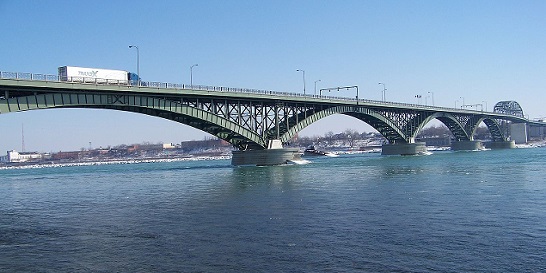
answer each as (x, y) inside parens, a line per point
(267, 119)
(258, 116)
(509, 107)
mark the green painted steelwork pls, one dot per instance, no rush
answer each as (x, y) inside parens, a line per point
(159, 107)
(246, 118)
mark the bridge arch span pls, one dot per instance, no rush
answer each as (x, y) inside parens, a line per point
(454, 125)
(159, 107)
(494, 129)
(383, 125)
(465, 132)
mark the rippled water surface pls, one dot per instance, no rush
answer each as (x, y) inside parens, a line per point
(447, 212)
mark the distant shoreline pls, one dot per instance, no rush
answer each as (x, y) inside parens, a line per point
(110, 162)
(42, 165)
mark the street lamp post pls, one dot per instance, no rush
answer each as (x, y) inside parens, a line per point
(463, 105)
(191, 73)
(418, 98)
(137, 62)
(316, 86)
(355, 87)
(432, 96)
(303, 72)
(384, 89)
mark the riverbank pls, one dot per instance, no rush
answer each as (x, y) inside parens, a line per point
(39, 165)
(109, 162)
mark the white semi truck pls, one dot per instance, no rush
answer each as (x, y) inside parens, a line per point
(96, 75)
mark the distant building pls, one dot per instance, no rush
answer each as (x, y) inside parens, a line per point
(16, 157)
(66, 155)
(168, 146)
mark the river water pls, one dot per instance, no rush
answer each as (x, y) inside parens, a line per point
(445, 212)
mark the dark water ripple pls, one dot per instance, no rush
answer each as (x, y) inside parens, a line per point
(448, 212)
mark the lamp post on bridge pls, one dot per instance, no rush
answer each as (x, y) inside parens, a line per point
(383, 97)
(432, 96)
(463, 105)
(191, 73)
(418, 98)
(303, 72)
(137, 62)
(316, 86)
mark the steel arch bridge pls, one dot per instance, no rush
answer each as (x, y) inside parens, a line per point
(509, 107)
(247, 118)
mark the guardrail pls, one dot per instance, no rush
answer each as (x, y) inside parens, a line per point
(175, 86)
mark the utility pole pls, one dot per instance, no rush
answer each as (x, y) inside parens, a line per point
(303, 71)
(22, 138)
(383, 98)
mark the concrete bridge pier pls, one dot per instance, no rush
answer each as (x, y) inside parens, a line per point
(404, 148)
(468, 145)
(275, 154)
(501, 144)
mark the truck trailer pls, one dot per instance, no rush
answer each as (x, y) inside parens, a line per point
(97, 75)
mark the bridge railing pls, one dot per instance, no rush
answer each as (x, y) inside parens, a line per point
(175, 86)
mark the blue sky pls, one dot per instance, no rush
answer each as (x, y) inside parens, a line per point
(479, 50)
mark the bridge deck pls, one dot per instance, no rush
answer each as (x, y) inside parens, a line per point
(247, 118)
(28, 82)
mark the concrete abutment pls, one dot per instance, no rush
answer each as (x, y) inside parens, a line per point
(501, 144)
(471, 145)
(264, 157)
(275, 154)
(404, 149)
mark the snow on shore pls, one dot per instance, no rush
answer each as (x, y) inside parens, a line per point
(113, 162)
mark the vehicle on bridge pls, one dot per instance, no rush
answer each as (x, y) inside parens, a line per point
(97, 75)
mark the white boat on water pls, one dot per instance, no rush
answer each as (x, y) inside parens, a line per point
(311, 151)
(298, 161)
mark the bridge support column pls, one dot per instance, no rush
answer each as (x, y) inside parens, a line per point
(470, 145)
(519, 132)
(404, 149)
(501, 144)
(274, 155)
